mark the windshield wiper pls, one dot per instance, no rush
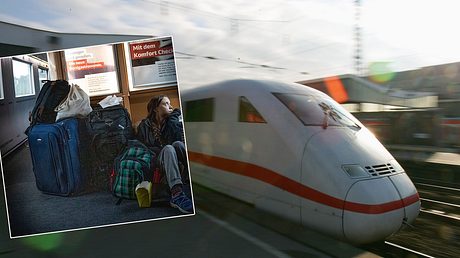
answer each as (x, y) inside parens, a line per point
(327, 110)
(337, 116)
(326, 119)
(345, 120)
(356, 126)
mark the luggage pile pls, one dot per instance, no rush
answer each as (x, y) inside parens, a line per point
(76, 149)
(55, 145)
(108, 130)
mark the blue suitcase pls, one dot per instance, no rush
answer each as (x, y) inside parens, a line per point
(55, 157)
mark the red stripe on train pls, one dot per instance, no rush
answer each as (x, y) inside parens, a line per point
(451, 122)
(294, 187)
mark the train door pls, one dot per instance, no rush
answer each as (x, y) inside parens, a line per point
(267, 155)
(20, 86)
(5, 105)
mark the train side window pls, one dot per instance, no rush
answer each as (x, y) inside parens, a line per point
(23, 81)
(201, 110)
(248, 113)
(42, 75)
(1, 84)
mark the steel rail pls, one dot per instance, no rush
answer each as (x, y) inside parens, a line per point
(440, 187)
(408, 249)
(440, 213)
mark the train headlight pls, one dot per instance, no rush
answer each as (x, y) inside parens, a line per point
(355, 171)
(396, 166)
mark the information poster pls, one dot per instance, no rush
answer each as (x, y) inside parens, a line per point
(93, 69)
(152, 63)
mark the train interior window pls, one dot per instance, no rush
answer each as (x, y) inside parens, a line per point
(248, 113)
(2, 96)
(201, 110)
(23, 81)
(42, 75)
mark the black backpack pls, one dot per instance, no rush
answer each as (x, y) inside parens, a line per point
(109, 131)
(50, 96)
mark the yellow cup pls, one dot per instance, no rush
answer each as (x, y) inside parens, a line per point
(144, 194)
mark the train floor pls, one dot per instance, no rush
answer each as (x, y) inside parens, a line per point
(33, 212)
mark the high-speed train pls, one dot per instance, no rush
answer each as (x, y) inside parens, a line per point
(293, 151)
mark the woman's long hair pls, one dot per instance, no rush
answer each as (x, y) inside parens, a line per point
(153, 104)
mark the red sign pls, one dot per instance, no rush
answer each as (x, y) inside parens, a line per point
(78, 65)
(149, 50)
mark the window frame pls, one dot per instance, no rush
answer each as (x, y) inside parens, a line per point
(47, 75)
(278, 96)
(155, 83)
(69, 57)
(31, 78)
(187, 115)
(336, 109)
(244, 100)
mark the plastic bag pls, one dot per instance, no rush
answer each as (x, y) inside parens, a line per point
(110, 100)
(76, 104)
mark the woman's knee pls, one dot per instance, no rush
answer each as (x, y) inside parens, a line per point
(168, 153)
(178, 144)
(168, 149)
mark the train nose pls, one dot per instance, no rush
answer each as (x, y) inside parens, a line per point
(375, 209)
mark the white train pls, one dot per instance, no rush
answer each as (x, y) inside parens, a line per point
(293, 151)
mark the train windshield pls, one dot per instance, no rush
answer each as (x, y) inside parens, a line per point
(315, 111)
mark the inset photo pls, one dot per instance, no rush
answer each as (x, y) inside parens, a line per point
(92, 137)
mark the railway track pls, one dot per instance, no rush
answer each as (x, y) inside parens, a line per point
(436, 231)
(429, 235)
(390, 249)
(439, 200)
(404, 251)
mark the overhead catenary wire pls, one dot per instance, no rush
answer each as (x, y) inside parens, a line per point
(230, 60)
(210, 14)
(248, 23)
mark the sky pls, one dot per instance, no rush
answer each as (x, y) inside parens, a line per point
(286, 40)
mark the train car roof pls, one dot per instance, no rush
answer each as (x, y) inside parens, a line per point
(238, 86)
